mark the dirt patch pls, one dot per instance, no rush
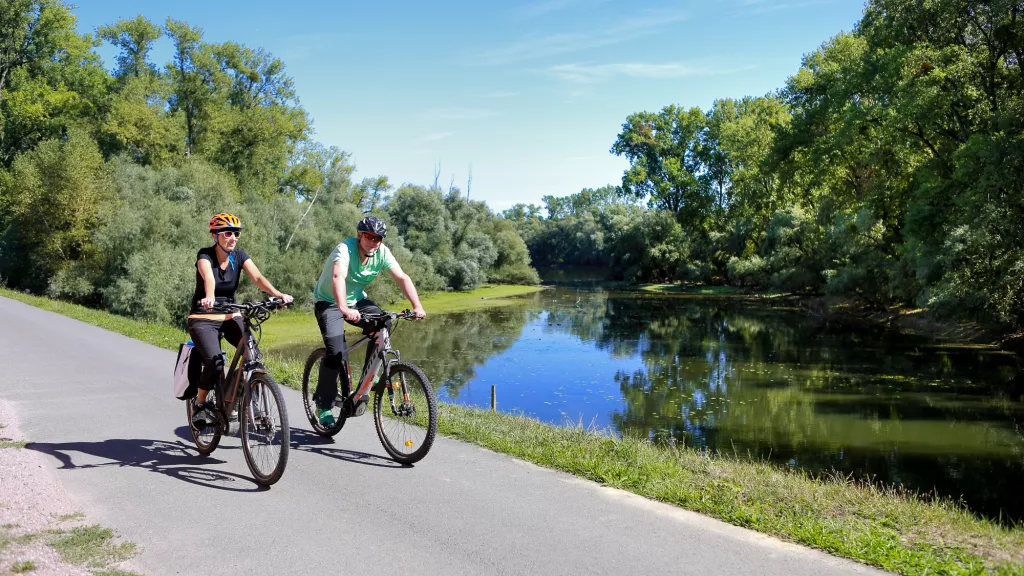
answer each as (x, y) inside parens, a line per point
(34, 507)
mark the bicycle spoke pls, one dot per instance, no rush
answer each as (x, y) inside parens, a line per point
(263, 437)
(406, 422)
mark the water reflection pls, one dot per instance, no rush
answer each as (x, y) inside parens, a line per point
(745, 379)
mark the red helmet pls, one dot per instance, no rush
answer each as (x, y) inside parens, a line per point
(225, 221)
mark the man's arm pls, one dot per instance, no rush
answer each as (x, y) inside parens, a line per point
(405, 283)
(340, 269)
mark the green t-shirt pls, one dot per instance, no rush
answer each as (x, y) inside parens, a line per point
(359, 275)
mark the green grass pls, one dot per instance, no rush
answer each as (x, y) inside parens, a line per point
(301, 327)
(22, 567)
(69, 517)
(885, 528)
(7, 539)
(12, 444)
(92, 546)
(704, 291)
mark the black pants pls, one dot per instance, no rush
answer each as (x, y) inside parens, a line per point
(206, 335)
(332, 328)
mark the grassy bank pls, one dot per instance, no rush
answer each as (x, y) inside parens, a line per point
(850, 312)
(296, 326)
(885, 528)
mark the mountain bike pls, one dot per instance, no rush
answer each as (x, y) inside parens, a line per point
(249, 398)
(404, 404)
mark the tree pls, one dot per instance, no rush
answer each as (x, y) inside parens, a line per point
(666, 167)
(190, 90)
(371, 193)
(55, 195)
(135, 39)
(50, 78)
(31, 32)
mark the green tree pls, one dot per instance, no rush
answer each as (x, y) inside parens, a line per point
(135, 39)
(50, 78)
(55, 196)
(666, 165)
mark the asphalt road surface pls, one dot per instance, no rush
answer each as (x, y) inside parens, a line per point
(100, 405)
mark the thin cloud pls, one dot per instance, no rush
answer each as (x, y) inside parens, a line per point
(435, 137)
(756, 7)
(584, 74)
(536, 47)
(306, 45)
(538, 9)
(499, 94)
(457, 113)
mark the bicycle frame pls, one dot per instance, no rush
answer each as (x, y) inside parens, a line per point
(381, 339)
(248, 351)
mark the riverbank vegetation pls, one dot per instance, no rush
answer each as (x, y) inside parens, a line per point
(884, 527)
(888, 169)
(107, 179)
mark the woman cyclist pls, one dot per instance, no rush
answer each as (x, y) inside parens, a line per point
(218, 269)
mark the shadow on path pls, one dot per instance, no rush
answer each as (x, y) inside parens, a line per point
(308, 441)
(175, 459)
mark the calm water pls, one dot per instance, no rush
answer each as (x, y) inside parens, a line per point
(744, 379)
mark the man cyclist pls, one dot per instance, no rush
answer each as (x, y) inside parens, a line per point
(339, 297)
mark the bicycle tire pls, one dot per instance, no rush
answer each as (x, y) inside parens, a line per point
(398, 452)
(254, 426)
(309, 404)
(207, 439)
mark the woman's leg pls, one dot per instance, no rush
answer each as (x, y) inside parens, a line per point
(205, 335)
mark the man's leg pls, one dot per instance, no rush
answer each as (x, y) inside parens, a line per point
(332, 328)
(367, 306)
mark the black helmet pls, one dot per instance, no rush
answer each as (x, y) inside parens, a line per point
(373, 225)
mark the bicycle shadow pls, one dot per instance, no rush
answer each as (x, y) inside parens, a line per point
(174, 459)
(309, 441)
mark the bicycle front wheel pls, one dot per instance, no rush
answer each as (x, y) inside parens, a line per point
(265, 432)
(405, 413)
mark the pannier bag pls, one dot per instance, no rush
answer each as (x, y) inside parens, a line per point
(186, 372)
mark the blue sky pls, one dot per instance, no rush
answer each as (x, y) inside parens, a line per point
(530, 95)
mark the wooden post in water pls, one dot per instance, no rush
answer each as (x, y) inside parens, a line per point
(494, 398)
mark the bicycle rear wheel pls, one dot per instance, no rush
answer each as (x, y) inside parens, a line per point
(309, 384)
(208, 437)
(265, 432)
(405, 413)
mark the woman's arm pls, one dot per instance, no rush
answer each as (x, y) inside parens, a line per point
(209, 284)
(262, 283)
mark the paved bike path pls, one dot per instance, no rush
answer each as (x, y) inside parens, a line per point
(100, 405)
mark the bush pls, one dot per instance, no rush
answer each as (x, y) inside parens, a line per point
(751, 272)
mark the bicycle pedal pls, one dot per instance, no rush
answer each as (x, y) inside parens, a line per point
(357, 409)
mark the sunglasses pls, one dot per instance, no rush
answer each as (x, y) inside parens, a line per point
(231, 233)
(373, 238)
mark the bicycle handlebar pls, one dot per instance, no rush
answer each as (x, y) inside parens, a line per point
(403, 315)
(247, 308)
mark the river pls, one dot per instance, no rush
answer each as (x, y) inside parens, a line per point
(747, 380)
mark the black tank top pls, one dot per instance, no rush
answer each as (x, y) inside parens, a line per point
(226, 280)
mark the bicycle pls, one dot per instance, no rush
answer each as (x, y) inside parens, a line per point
(383, 371)
(259, 411)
